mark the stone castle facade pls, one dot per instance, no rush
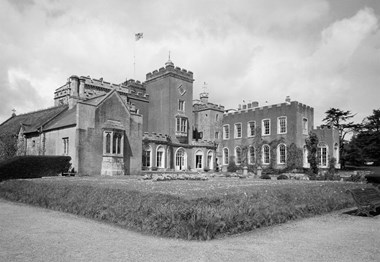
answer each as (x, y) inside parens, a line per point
(121, 129)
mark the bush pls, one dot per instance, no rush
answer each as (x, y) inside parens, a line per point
(232, 167)
(33, 166)
(265, 176)
(282, 177)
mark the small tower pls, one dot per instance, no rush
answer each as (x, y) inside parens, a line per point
(204, 95)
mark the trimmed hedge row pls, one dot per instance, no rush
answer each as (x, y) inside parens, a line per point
(33, 166)
(172, 216)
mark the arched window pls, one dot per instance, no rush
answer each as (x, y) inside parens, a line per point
(160, 157)
(252, 155)
(113, 143)
(266, 154)
(147, 156)
(210, 163)
(180, 159)
(199, 159)
(238, 155)
(281, 154)
(108, 143)
(322, 155)
(225, 156)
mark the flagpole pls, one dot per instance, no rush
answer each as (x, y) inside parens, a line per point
(134, 60)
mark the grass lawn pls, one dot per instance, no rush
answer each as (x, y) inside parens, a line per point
(183, 208)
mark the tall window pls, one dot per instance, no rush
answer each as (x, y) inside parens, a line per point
(65, 141)
(147, 156)
(266, 154)
(251, 155)
(238, 130)
(266, 127)
(225, 156)
(281, 125)
(181, 105)
(116, 144)
(216, 135)
(160, 160)
(322, 155)
(251, 126)
(181, 125)
(199, 159)
(180, 159)
(113, 143)
(304, 126)
(108, 142)
(281, 154)
(238, 155)
(226, 132)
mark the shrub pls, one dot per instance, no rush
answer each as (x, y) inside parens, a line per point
(282, 177)
(33, 166)
(206, 169)
(265, 176)
(232, 167)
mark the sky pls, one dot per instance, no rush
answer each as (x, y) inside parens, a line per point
(323, 53)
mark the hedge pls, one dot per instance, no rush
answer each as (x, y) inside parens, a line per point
(33, 166)
(173, 216)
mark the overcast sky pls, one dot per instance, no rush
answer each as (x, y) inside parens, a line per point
(323, 53)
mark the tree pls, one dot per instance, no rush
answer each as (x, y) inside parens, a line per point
(365, 144)
(338, 118)
(312, 147)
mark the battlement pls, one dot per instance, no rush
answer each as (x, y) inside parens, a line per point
(156, 137)
(245, 109)
(169, 69)
(208, 106)
(93, 86)
(203, 143)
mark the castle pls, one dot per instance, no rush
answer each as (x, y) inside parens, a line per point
(121, 129)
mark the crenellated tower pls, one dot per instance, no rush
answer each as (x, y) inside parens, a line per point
(170, 107)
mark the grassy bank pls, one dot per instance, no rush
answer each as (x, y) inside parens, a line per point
(206, 210)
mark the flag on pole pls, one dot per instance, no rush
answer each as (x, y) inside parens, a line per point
(138, 36)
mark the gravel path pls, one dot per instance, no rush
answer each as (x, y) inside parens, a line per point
(35, 234)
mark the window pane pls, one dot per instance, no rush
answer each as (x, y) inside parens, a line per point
(108, 143)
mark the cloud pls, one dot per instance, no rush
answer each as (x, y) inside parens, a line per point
(253, 50)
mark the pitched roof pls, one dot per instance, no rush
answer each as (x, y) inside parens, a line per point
(30, 121)
(67, 118)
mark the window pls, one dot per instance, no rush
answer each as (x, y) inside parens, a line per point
(160, 160)
(238, 155)
(251, 126)
(181, 105)
(304, 126)
(266, 154)
(113, 143)
(281, 125)
(216, 117)
(225, 156)
(181, 126)
(180, 159)
(322, 155)
(116, 144)
(226, 132)
(210, 163)
(216, 135)
(238, 130)
(266, 127)
(147, 155)
(252, 155)
(198, 159)
(281, 154)
(65, 141)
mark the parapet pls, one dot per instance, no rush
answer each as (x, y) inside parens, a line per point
(208, 106)
(157, 137)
